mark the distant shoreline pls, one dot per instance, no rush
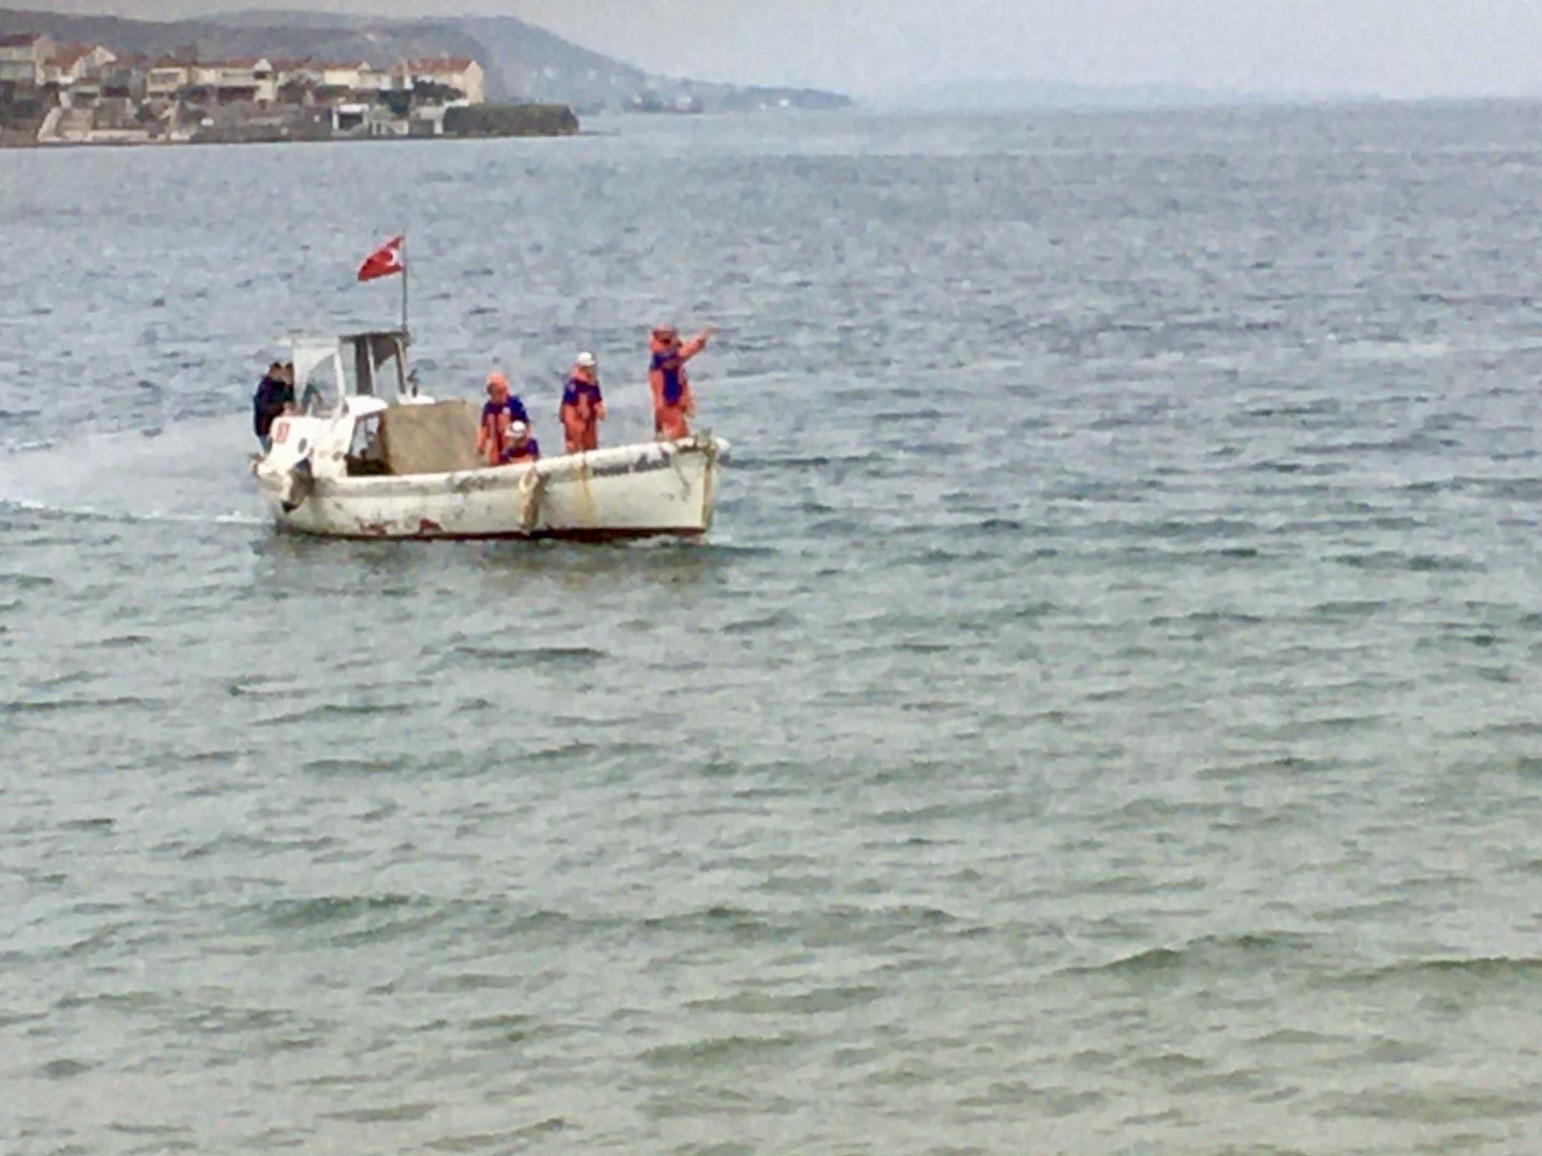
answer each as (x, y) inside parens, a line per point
(479, 122)
(605, 126)
(162, 145)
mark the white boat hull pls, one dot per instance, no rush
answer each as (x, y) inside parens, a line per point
(645, 490)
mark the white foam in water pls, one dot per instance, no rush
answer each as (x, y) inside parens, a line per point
(190, 471)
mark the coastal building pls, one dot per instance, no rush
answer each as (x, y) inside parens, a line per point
(168, 76)
(305, 71)
(376, 80)
(124, 78)
(343, 76)
(80, 93)
(296, 81)
(23, 57)
(72, 62)
(246, 81)
(204, 74)
(460, 73)
(360, 118)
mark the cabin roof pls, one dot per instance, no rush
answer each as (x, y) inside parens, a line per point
(441, 63)
(373, 334)
(68, 55)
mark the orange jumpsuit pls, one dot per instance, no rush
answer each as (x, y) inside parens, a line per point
(582, 408)
(672, 400)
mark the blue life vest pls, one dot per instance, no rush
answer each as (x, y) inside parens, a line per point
(577, 388)
(670, 367)
(513, 407)
(529, 452)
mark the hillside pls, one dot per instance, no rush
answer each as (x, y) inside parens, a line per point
(522, 62)
(538, 65)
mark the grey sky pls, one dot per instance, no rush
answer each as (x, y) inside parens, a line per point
(1399, 48)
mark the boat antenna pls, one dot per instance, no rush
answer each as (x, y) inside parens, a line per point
(406, 272)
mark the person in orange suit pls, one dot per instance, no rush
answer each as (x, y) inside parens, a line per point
(672, 400)
(519, 446)
(583, 406)
(503, 408)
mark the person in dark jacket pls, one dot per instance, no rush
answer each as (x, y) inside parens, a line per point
(274, 397)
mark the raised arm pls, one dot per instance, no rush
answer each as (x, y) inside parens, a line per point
(696, 344)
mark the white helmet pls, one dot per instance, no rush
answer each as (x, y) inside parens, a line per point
(585, 360)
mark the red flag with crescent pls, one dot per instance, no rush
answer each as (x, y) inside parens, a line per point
(384, 261)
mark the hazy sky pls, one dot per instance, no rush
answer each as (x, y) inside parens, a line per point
(1399, 48)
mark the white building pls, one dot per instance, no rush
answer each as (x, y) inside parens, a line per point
(458, 72)
(363, 119)
(222, 81)
(376, 80)
(23, 57)
(247, 80)
(168, 77)
(340, 75)
(71, 62)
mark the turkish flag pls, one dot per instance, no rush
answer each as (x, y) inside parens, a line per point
(383, 261)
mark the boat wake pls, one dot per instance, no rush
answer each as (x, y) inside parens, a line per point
(88, 514)
(187, 472)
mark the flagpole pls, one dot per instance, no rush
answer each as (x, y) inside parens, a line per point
(405, 274)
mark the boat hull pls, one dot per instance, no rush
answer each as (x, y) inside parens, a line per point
(653, 489)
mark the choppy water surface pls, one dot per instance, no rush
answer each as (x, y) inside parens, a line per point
(1105, 720)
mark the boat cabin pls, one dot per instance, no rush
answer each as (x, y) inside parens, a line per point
(350, 425)
(327, 370)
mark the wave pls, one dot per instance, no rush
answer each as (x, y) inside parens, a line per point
(62, 705)
(356, 766)
(1205, 953)
(338, 711)
(776, 620)
(1525, 969)
(393, 1114)
(813, 1001)
(714, 1051)
(1377, 560)
(561, 657)
(515, 1140)
(329, 909)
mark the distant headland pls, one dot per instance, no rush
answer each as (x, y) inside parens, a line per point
(275, 77)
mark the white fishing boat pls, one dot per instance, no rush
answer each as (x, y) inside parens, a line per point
(354, 464)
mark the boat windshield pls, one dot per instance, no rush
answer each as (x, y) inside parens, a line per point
(318, 376)
(378, 362)
(360, 365)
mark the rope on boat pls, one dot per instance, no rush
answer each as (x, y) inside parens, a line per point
(532, 486)
(708, 445)
(671, 452)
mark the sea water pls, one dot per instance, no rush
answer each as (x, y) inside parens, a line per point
(1104, 719)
